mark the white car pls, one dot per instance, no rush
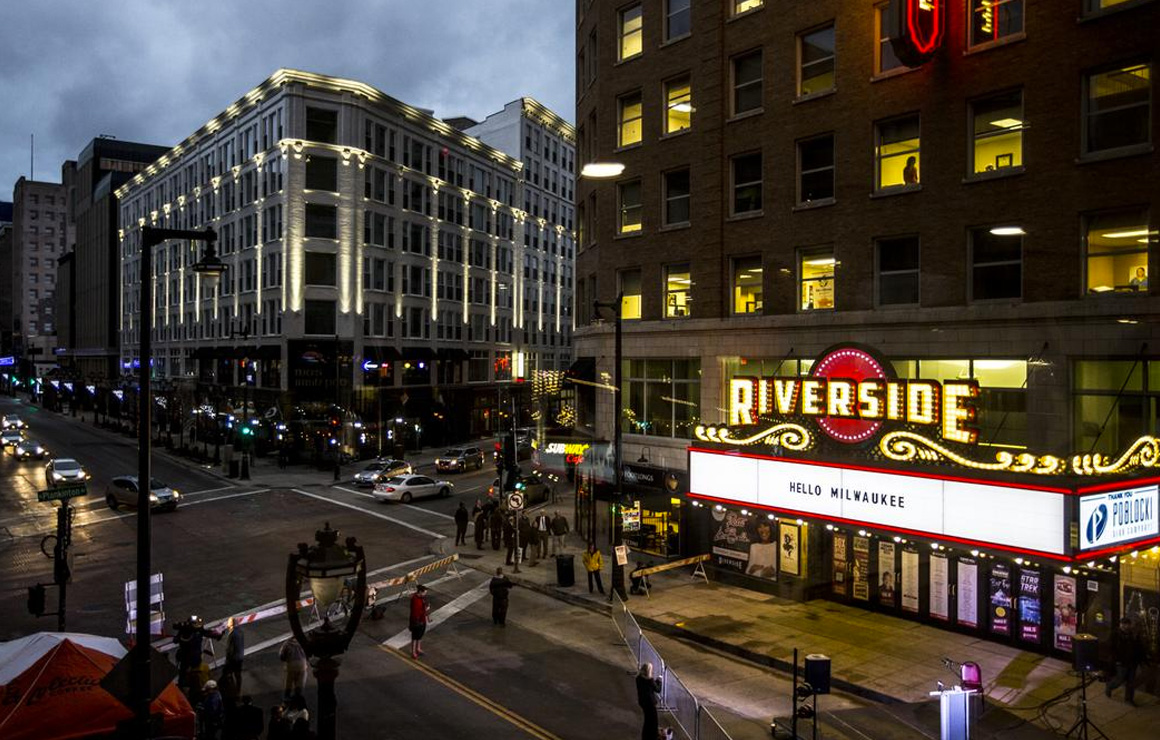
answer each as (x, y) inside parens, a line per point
(65, 470)
(406, 487)
(379, 470)
(12, 421)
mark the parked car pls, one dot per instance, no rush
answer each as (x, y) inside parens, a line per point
(123, 490)
(379, 470)
(12, 421)
(535, 489)
(460, 459)
(64, 470)
(407, 487)
(9, 437)
(27, 449)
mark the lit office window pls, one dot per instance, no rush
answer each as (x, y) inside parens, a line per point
(676, 197)
(747, 273)
(996, 263)
(897, 263)
(816, 61)
(678, 18)
(897, 152)
(747, 82)
(1095, 6)
(747, 183)
(677, 287)
(992, 20)
(630, 288)
(816, 275)
(1117, 108)
(884, 57)
(631, 31)
(678, 105)
(744, 6)
(1117, 246)
(816, 170)
(630, 119)
(628, 193)
(997, 132)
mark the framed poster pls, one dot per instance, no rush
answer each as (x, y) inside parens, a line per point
(731, 540)
(839, 584)
(1064, 612)
(861, 579)
(999, 599)
(939, 603)
(762, 549)
(790, 536)
(967, 613)
(910, 581)
(1029, 615)
(886, 593)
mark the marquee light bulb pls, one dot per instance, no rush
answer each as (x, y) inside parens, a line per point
(1067, 569)
(1135, 554)
(1018, 561)
(829, 527)
(897, 538)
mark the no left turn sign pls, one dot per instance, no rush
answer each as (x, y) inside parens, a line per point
(515, 501)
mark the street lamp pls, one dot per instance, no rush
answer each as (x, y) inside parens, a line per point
(247, 430)
(209, 269)
(618, 410)
(328, 568)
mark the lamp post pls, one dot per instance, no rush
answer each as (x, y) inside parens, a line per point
(337, 446)
(618, 410)
(210, 267)
(244, 335)
(327, 568)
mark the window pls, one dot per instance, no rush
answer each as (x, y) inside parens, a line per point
(322, 125)
(747, 183)
(320, 317)
(678, 105)
(322, 173)
(677, 287)
(678, 19)
(630, 290)
(321, 221)
(747, 82)
(1095, 6)
(992, 20)
(897, 152)
(897, 260)
(676, 197)
(747, 273)
(744, 6)
(631, 31)
(1116, 402)
(816, 61)
(884, 56)
(997, 132)
(1117, 108)
(996, 263)
(629, 196)
(320, 269)
(816, 170)
(816, 271)
(1117, 246)
(630, 115)
(662, 397)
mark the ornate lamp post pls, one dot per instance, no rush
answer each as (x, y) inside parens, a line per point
(618, 410)
(327, 568)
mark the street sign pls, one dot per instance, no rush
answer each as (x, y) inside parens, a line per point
(62, 492)
(118, 681)
(515, 501)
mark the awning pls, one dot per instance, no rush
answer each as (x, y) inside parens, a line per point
(452, 354)
(418, 353)
(584, 368)
(380, 353)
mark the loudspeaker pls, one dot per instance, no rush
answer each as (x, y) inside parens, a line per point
(818, 672)
(1085, 648)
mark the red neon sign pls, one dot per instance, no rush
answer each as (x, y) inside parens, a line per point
(916, 29)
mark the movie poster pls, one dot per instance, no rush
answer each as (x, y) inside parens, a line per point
(910, 581)
(790, 546)
(762, 549)
(840, 585)
(886, 593)
(1029, 616)
(968, 593)
(939, 604)
(731, 540)
(1065, 612)
(1000, 599)
(861, 577)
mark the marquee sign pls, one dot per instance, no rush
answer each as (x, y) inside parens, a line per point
(1118, 516)
(916, 29)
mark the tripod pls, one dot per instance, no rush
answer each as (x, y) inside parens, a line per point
(1080, 729)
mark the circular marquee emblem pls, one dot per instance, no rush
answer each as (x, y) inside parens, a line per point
(857, 365)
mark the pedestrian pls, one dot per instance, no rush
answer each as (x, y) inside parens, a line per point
(461, 518)
(525, 532)
(559, 529)
(648, 689)
(420, 612)
(497, 528)
(235, 652)
(593, 562)
(543, 528)
(211, 711)
(509, 539)
(480, 530)
(294, 666)
(499, 588)
(279, 726)
(1128, 650)
(475, 510)
(246, 722)
(296, 711)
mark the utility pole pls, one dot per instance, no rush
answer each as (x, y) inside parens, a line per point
(60, 567)
(618, 411)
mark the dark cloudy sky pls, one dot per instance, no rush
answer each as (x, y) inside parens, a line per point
(155, 70)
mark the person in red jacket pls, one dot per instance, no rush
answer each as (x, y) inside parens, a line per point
(420, 610)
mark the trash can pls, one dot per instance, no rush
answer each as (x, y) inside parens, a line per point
(565, 571)
(234, 468)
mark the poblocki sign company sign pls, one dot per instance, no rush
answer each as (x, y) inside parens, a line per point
(916, 29)
(1118, 516)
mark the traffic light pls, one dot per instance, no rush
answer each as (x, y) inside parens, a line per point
(36, 600)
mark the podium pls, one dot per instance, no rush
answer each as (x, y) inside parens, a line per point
(955, 716)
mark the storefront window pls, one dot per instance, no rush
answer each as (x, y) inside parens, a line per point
(631, 31)
(630, 288)
(897, 153)
(997, 132)
(678, 105)
(817, 278)
(662, 397)
(1117, 251)
(992, 20)
(747, 273)
(677, 287)
(630, 115)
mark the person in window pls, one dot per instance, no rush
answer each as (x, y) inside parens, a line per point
(910, 171)
(1140, 281)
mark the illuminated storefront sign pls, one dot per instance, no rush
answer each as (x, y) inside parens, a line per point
(916, 29)
(1118, 516)
(573, 452)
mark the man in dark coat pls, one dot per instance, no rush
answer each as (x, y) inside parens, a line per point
(1129, 650)
(461, 518)
(525, 531)
(499, 588)
(509, 539)
(235, 653)
(480, 529)
(543, 529)
(497, 521)
(246, 721)
(647, 691)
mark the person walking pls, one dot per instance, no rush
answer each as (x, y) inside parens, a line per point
(235, 652)
(559, 529)
(480, 529)
(498, 520)
(1128, 650)
(294, 667)
(461, 519)
(499, 588)
(593, 563)
(648, 689)
(543, 528)
(420, 612)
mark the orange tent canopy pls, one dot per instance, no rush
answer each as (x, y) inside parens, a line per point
(59, 696)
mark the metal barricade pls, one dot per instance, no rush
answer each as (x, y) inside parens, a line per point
(648, 654)
(620, 616)
(681, 704)
(708, 728)
(632, 637)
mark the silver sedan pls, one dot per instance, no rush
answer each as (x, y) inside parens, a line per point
(407, 487)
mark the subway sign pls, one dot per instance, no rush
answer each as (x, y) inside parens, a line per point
(916, 29)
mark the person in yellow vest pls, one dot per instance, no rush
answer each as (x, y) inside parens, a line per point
(593, 563)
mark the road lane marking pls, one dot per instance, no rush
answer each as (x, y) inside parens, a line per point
(208, 490)
(376, 514)
(475, 697)
(442, 614)
(191, 503)
(409, 506)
